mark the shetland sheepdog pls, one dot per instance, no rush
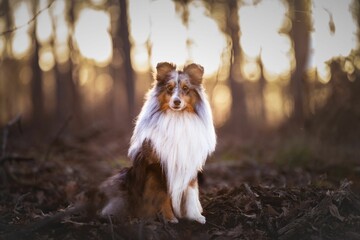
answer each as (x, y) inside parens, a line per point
(173, 136)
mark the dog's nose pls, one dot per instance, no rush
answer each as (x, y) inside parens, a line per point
(177, 102)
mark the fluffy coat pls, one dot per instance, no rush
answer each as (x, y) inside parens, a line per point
(182, 139)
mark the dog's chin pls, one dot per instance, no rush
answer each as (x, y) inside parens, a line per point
(176, 108)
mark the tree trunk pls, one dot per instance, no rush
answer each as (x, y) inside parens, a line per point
(262, 85)
(61, 99)
(6, 11)
(238, 121)
(37, 98)
(123, 32)
(300, 35)
(5, 85)
(67, 97)
(65, 93)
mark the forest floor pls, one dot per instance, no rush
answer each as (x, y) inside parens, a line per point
(252, 190)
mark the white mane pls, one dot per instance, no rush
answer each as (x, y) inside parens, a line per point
(182, 140)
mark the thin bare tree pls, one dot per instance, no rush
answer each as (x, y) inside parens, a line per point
(37, 98)
(123, 33)
(301, 25)
(239, 115)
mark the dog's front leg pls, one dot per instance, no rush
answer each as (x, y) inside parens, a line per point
(192, 205)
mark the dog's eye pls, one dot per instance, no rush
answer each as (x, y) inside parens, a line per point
(185, 88)
(169, 89)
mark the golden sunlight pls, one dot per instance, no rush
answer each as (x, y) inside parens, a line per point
(170, 39)
(87, 74)
(251, 70)
(21, 40)
(46, 59)
(43, 23)
(2, 46)
(340, 39)
(140, 58)
(92, 36)
(221, 103)
(260, 36)
(62, 28)
(139, 20)
(205, 50)
(357, 62)
(20, 44)
(274, 104)
(168, 34)
(323, 71)
(22, 14)
(139, 16)
(104, 83)
(62, 53)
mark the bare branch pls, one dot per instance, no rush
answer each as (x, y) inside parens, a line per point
(11, 30)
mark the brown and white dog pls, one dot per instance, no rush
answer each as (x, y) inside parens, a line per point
(173, 137)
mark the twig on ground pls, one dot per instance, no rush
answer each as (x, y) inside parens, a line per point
(111, 228)
(77, 223)
(253, 196)
(19, 200)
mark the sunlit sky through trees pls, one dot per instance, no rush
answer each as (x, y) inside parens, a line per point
(200, 40)
(159, 32)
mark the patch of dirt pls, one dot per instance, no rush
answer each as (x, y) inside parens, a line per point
(241, 200)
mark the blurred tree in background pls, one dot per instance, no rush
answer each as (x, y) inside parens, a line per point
(265, 67)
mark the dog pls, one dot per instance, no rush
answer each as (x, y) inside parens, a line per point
(173, 137)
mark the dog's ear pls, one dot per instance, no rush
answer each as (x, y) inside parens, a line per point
(195, 72)
(163, 69)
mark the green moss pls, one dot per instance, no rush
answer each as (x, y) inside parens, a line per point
(296, 152)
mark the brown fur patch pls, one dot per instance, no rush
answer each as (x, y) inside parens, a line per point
(195, 72)
(163, 70)
(193, 183)
(155, 193)
(182, 205)
(147, 186)
(155, 197)
(164, 95)
(191, 99)
(166, 209)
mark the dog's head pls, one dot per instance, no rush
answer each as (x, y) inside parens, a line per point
(178, 90)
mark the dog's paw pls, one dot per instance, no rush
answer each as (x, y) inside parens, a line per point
(173, 220)
(200, 219)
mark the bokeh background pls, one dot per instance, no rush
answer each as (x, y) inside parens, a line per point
(283, 79)
(269, 65)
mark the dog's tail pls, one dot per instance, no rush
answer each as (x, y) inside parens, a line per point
(123, 191)
(115, 192)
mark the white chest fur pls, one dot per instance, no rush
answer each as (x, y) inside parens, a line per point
(183, 143)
